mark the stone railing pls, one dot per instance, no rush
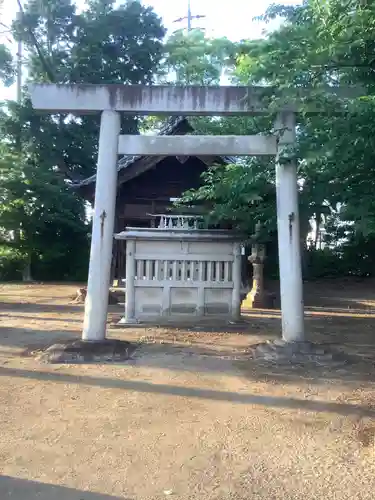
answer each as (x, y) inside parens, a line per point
(183, 269)
(185, 222)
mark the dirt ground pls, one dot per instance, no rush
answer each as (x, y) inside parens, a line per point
(190, 416)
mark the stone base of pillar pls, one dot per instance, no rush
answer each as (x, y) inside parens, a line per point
(124, 321)
(204, 323)
(281, 352)
(263, 300)
(80, 351)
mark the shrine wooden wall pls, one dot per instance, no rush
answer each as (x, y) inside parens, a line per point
(151, 193)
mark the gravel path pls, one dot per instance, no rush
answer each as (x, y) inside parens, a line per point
(179, 421)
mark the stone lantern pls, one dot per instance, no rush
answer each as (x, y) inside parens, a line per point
(258, 298)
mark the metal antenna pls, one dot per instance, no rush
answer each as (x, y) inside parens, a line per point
(189, 18)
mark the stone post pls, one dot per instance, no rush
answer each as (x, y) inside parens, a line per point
(96, 305)
(288, 231)
(130, 288)
(236, 294)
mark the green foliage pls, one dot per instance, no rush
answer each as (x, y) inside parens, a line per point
(6, 66)
(12, 263)
(318, 44)
(40, 217)
(230, 194)
(42, 221)
(103, 44)
(196, 59)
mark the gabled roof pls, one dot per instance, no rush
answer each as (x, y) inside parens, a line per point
(179, 125)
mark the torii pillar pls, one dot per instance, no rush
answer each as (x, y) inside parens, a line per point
(96, 305)
(291, 290)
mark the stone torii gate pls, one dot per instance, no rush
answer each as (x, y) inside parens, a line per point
(111, 100)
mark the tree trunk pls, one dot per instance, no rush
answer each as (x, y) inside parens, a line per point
(26, 273)
(305, 229)
(318, 218)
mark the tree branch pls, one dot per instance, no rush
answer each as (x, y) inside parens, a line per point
(43, 60)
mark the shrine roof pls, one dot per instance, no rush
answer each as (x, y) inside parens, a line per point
(179, 125)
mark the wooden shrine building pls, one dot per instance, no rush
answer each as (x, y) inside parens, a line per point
(148, 185)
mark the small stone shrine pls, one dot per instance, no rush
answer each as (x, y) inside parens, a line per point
(180, 272)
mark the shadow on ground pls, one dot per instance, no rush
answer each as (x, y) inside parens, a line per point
(29, 339)
(219, 349)
(26, 317)
(189, 392)
(216, 351)
(340, 293)
(22, 489)
(38, 308)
